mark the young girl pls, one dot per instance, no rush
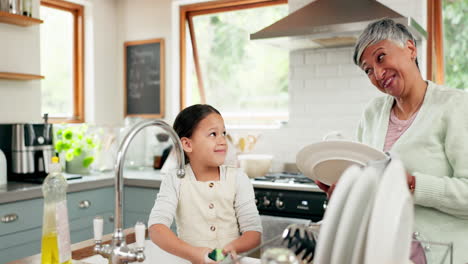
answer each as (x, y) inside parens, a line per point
(214, 205)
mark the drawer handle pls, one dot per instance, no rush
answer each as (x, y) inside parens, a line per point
(84, 204)
(9, 218)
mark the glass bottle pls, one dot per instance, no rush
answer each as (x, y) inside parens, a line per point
(56, 248)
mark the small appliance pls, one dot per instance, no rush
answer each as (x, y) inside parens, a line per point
(28, 149)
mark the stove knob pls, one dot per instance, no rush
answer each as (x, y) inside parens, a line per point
(266, 202)
(279, 204)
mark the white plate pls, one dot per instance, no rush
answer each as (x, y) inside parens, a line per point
(390, 227)
(354, 215)
(332, 215)
(325, 161)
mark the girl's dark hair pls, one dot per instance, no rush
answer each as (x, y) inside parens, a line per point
(188, 119)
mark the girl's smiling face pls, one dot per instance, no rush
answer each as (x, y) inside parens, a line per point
(207, 144)
(390, 67)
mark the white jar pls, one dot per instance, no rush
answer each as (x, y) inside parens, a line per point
(3, 169)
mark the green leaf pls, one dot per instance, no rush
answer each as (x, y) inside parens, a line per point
(68, 134)
(69, 155)
(87, 161)
(66, 146)
(59, 145)
(77, 151)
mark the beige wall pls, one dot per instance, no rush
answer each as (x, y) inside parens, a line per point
(19, 52)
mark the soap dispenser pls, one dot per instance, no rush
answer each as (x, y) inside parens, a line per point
(56, 246)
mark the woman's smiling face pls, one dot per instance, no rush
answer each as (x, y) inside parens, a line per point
(390, 67)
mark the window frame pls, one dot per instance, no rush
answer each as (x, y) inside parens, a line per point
(186, 13)
(435, 42)
(78, 59)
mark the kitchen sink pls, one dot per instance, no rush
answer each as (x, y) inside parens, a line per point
(155, 255)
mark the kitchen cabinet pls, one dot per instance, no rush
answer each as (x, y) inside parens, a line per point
(84, 206)
(21, 226)
(138, 202)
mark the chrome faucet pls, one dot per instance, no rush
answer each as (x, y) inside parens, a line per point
(118, 252)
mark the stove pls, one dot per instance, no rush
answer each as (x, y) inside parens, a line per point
(289, 195)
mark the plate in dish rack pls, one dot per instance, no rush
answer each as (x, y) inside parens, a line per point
(389, 233)
(352, 227)
(326, 238)
(327, 160)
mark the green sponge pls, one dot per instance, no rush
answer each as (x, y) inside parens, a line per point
(216, 254)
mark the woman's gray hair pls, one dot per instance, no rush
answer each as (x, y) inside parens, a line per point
(383, 29)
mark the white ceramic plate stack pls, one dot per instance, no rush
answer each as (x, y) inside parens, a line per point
(369, 218)
(354, 219)
(331, 219)
(327, 160)
(391, 222)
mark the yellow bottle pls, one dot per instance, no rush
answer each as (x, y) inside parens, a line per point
(56, 247)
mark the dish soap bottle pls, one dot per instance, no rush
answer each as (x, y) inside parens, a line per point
(56, 248)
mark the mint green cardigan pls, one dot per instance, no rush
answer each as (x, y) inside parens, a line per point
(435, 150)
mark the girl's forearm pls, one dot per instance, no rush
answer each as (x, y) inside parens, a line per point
(162, 236)
(248, 240)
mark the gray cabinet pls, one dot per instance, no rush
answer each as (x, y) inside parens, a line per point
(21, 226)
(84, 206)
(138, 203)
(20, 229)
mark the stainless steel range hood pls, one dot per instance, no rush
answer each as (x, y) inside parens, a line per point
(330, 23)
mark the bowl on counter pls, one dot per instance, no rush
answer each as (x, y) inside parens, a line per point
(255, 165)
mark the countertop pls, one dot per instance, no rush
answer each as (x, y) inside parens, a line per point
(148, 178)
(17, 191)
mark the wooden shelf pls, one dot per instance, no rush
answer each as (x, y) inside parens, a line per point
(20, 76)
(18, 20)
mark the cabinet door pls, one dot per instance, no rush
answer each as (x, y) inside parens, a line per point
(20, 244)
(20, 229)
(20, 216)
(138, 203)
(90, 203)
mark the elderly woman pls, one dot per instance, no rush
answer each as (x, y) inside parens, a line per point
(426, 125)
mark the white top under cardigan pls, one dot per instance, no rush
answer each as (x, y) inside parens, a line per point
(164, 209)
(435, 150)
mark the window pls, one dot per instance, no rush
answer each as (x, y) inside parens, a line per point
(62, 61)
(448, 42)
(246, 80)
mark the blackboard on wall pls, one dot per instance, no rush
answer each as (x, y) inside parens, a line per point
(144, 78)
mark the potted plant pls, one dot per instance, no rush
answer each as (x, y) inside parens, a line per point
(77, 145)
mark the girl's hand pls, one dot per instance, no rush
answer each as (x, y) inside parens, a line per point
(228, 249)
(200, 256)
(327, 189)
(230, 252)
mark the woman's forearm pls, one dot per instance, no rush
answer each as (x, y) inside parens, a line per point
(162, 236)
(248, 240)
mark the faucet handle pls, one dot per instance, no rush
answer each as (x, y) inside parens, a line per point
(98, 223)
(140, 230)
